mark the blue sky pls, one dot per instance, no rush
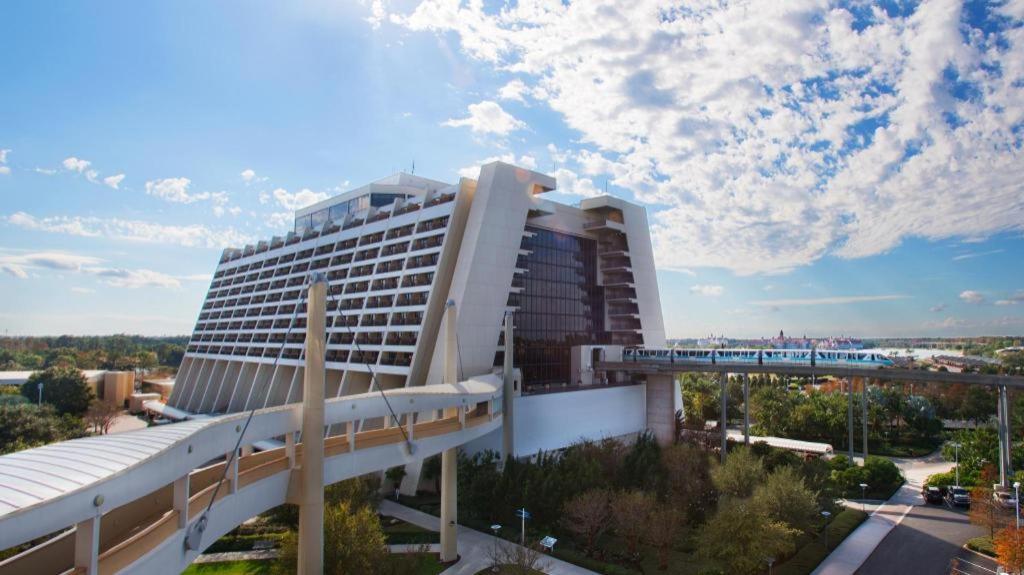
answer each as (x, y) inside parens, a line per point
(844, 168)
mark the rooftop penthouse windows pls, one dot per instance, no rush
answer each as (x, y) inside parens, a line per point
(337, 212)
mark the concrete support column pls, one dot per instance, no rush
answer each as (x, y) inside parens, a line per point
(449, 506)
(746, 409)
(232, 463)
(1003, 419)
(864, 414)
(87, 546)
(311, 499)
(723, 380)
(1004, 395)
(181, 500)
(289, 448)
(449, 457)
(661, 416)
(508, 395)
(849, 415)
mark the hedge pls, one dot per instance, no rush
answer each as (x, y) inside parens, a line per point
(809, 556)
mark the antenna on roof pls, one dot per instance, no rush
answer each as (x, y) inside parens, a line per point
(413, 167)
(606, 186)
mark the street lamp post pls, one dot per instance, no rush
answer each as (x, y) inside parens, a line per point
(1016, 501)
(524, 515)
(826, 515)
(956, 458)
(864, 497)
(40, 394)
(495, 529)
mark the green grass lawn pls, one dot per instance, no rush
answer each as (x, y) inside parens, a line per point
(505, 571)
(906, 447)
(982, 544)
(417, 563)
(814, 552)
(412, 563)
(230, 568)
(398, 532)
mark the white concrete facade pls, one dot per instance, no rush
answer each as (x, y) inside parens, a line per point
(391, 269)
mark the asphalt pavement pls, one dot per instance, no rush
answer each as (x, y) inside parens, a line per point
(927, 540)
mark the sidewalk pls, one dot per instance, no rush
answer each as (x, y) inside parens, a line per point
(474, 546)
(860, 544)
(237, 556)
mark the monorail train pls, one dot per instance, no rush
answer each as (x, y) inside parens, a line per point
(861, 358)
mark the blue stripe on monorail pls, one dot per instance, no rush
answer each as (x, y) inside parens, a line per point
(758, 356)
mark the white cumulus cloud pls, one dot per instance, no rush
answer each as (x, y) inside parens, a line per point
(194, 235)
(707, 290)
(73, 164)
(971, 296)
(487, 117)
(249, 176)
(114, 181)
(771, 134)
(299, 199)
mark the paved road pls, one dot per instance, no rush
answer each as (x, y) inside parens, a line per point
(904, 536)
(925, 541)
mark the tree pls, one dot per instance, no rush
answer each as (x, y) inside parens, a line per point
(661, 532)
(688, 481)
(64, 388)
(395, 475)
(786, 499)
(700, 399)
(586, 516)
(642, 465)
(27, 425)
(101, 416)
(739, 475)
(631, 512)
(741, 534)
(772, 407)
(1009, 544)
(984, 511)
(353, 542)
(357, 492)
(979, 405)
(432, 471)
(515, 559)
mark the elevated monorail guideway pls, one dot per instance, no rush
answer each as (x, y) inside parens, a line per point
(789, 362)
(659, 365)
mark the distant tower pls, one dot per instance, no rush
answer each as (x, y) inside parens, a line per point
(781, 336)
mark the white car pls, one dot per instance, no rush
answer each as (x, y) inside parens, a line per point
(1005, 499)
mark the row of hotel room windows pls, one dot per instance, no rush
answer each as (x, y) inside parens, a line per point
(407, 338)
(363, 357)
(248, 306)
(425, 243)
(310, 233)
(334, 320)
(333, 304)
(257, 294)
(236, 274)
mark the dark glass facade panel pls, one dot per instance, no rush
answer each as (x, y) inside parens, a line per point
(560, 306)
(319, 218)
(339, 211)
